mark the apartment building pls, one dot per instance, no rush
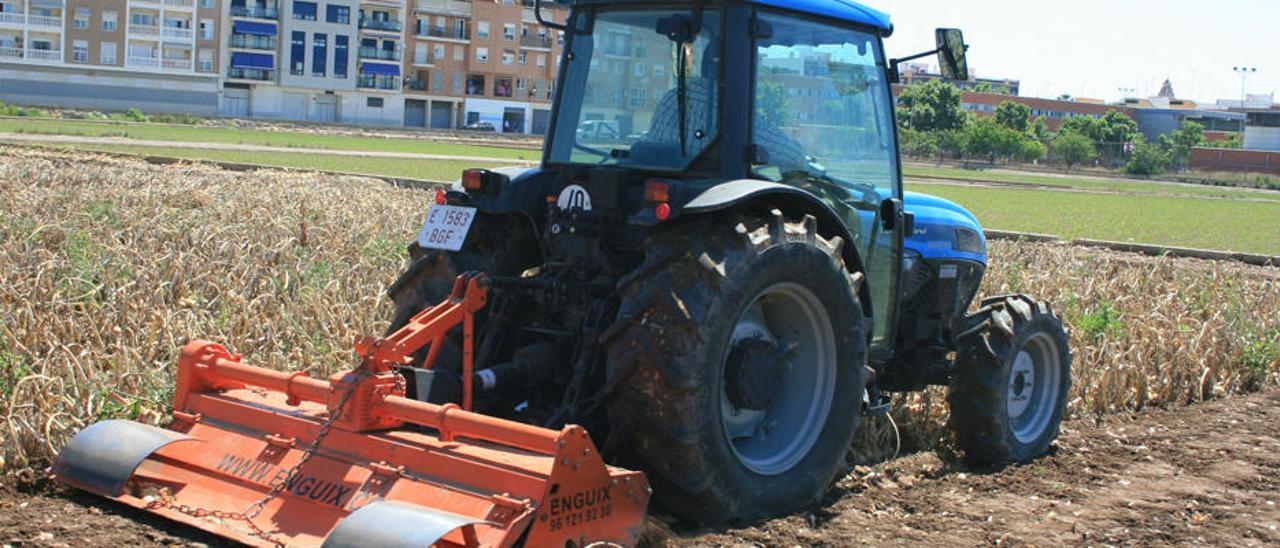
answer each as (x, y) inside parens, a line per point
(481, 62)
(314, 60)
(110, 54)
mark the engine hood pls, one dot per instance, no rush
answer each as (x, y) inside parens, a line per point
(944, 229)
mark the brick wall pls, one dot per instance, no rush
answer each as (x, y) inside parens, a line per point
(1225, 159)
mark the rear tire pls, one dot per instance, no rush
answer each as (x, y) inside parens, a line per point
(1012, 379)
(703, 401)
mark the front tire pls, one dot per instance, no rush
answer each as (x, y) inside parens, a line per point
(1011, 384)
(738, 357)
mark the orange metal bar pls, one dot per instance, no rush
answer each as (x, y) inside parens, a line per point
(453, 422)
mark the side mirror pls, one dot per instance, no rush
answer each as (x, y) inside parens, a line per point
(537, 15)
(952, 54)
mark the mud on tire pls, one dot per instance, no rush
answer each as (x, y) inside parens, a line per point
(1012, 379)
(667, 359)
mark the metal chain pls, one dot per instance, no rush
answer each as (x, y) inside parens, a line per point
(252, 511)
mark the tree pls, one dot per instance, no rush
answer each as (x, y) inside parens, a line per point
(932, 106)
(1118, 128)
(1191, 134)
(1148, 159)
(1039, 130)
(982, 139)
(1031, 150)
(1073, 149)
(1015, 116)
(1084, 126)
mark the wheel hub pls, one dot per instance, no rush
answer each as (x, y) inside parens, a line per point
(753, 374)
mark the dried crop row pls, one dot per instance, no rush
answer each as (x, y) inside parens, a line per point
(110, 265)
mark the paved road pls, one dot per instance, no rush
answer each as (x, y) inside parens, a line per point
(85, 140)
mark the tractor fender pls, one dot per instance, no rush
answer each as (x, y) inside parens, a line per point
(525, 193)
(746, 193)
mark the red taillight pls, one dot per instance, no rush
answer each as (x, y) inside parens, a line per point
(657, 191)
(473, 179)
(662, 212)
(442, 197)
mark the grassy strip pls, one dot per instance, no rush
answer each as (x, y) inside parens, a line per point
(431, 170)
(1251, 227)
(285, 139)
(1087, 183)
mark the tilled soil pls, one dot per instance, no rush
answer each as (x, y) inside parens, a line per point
(1208, 474)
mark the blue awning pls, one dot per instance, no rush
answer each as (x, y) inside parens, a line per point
(260, 61)
(250, 27)
(381, 69)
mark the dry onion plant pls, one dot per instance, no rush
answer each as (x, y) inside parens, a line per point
(110, 265)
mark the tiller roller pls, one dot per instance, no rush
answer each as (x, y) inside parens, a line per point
(272, 458)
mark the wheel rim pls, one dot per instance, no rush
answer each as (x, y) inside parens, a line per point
(772, 440)
(1035, 383)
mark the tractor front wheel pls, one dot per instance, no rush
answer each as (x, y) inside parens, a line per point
(738, 358)
(1012, 377)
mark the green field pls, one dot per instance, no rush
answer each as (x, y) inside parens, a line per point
(284, 139)
(431, 170)
(1231, 225)
(1085, 182)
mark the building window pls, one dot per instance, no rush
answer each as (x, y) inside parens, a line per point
(206, 29)
(208, 4)
(482, 55)
(457, 84)
(297, 53)
(659, 71)
(437, 82)
(81, 21)
(338, 14)
(340, 56)
(524, 58)
(509, 32)
(373, 102)
(639, 70)
(508, 58)
(305, 11)
(438, 51)
(502, 87)
(319, 45)
(482, 29)
(80, 51)
(206, 60)
(475, 84)
(459, 53)
(107, 55)
(542, 60)
(110, 21)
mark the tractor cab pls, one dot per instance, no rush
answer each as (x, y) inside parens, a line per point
(672, 83)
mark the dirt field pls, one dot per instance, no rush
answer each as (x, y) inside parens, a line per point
(1207, 474)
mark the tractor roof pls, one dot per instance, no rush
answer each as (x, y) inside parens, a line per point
(845, 10)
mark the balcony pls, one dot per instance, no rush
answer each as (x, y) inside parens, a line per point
(456, 8)
(40, 21)
(10, 53)
(537, 42)
(177, 64)
(414, 84)
(451, 34)
(147, 3)
(386, 26)
(180, 4)
(12, 19)
(176, 33)
(256, 11)
(142, 62)
(427, 59)
(378, 81)
(252, 41)
(379, 54)
(144, 30)
(257, 75)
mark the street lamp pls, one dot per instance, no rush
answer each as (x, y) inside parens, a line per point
(1244, 73)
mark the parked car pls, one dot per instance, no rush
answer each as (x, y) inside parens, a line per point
(480, 126)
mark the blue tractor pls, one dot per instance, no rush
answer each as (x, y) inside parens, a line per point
(725, 285)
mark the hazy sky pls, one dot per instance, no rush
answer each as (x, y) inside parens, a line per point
(1093, 48)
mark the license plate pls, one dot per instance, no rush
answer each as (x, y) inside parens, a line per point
(446, 227)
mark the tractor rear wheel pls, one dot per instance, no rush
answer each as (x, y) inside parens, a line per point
(738, 357)
(1012, 378)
